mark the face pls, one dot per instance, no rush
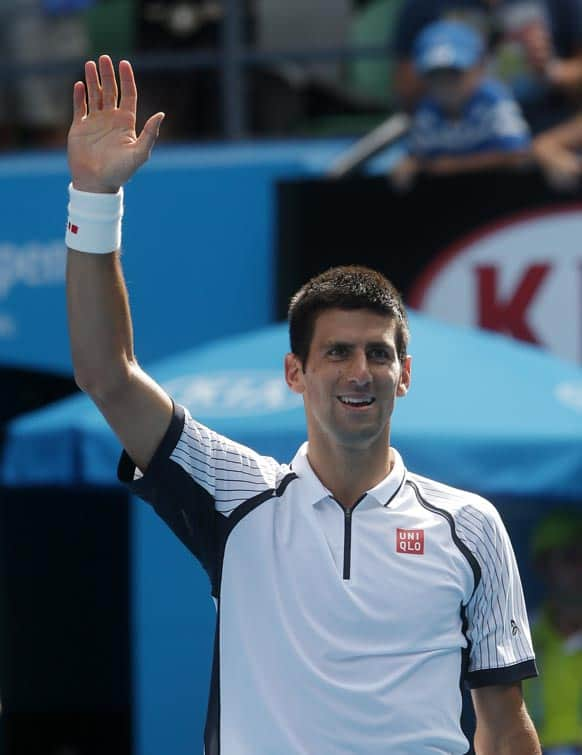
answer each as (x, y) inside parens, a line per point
(450, 87)
(351, 379)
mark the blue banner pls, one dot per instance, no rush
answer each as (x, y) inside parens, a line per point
(197, 244)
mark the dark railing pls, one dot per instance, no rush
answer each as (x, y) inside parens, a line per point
(232, 58)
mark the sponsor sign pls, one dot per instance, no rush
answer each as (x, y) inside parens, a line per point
(521, 277)
(410, 541)
(32, 277)
(32, 265)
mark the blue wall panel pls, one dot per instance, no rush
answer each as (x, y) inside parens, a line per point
(173, 629)
(198, 251)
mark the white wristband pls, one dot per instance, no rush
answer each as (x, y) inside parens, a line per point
(94, 223)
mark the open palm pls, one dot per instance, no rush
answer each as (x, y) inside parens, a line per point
(104, 150)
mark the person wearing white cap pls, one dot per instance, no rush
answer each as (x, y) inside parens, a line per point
(466, 121)
(533, 46)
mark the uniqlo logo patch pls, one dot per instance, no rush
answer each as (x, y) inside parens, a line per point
(73, 228)
(410, 541)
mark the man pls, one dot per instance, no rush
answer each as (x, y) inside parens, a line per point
(466, 121)
(352, 596)
(535, 47)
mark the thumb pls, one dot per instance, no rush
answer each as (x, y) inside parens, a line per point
(148, 137)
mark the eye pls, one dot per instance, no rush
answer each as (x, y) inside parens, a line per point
(337, 351)
(378, 354)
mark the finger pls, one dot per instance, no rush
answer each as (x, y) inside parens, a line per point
(148, 137)
(93, 86)
(108, 83)
(128, 99)
(79, 102)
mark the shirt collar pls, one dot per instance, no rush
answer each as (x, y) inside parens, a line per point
(382, 493)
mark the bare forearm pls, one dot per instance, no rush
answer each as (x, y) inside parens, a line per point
(520, 743)
(469, 163)
(565, 136)
(99, 320)
(519, 740)
(566, 74)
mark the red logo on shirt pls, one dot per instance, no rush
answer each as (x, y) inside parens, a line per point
(73, 228)
(410, 541)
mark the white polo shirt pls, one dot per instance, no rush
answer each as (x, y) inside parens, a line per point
(339, 631)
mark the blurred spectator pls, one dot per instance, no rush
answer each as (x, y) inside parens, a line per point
(189, 97)
(283, 25)
(535, 46)
(466, 121)
(278, 96)
(554, 700)
(35, 108)
(557, 152)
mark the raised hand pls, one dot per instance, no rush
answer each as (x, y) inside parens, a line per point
(104, 150)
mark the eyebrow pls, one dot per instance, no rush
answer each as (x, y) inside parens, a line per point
(350, 344)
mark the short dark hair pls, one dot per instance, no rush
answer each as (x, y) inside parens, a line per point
(346, 287)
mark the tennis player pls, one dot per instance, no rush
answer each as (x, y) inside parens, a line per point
(354, 597)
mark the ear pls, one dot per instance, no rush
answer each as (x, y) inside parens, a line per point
(294, 373)
(405, 377)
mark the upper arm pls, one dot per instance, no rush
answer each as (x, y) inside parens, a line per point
(193, 462)
(510, 129)
(196, 479)
(139, 412)
(497, 623)
(567, 135)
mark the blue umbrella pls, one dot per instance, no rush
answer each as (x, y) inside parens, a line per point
(484, 413)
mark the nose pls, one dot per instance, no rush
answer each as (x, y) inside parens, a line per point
(359, 370)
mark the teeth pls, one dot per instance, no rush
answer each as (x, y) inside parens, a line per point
(356, 401)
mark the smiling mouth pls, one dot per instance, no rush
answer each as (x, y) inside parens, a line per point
(358, 403)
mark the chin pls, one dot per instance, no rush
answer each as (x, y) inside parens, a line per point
(358, 440)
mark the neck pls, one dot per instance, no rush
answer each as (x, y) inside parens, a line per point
(349, 472)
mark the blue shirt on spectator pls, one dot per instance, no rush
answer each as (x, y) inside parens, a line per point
(562, 18)
(491, 121)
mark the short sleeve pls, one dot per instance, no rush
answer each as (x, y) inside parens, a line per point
(508, 128)
(500, 646)
(426, 129)
(196, 479)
